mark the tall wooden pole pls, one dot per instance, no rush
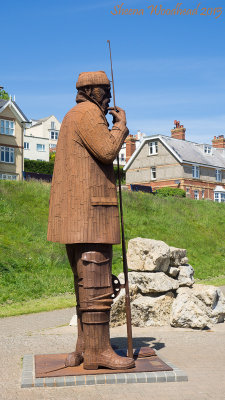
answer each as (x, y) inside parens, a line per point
(125, 267)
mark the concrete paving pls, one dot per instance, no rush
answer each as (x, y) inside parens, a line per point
(200, 354)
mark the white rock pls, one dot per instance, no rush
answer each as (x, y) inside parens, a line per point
(188, 311)
(185, 277)
(151, 282)
(214, 299)
(198, 307)
(73, 321)
(148, 255)
(178, 256)
(173, 271)
(152, 311)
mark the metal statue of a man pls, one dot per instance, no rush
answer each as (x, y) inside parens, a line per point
(84, 215)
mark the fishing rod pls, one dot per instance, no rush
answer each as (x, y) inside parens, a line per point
(125, 266)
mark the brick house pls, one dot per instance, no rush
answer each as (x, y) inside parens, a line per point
(173, 161)
(12, 125)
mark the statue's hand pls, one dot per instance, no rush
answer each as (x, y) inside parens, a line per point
(119, 115)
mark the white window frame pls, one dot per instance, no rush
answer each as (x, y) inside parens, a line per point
(218, 175)
(42, 147)
(8, 177)
(153, 173)
(153, 148)
(195, 171)
(3, 155)
(219, 197)
(55, 135)
(7, 127)
(26, 146)
(207, 149)
(203, 193)
(196, 194)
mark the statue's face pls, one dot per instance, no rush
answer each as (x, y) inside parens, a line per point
(106, 98)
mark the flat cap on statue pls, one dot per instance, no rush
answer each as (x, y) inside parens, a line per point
(92, 78)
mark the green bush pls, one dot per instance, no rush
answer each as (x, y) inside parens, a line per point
(168, 191)
(41, 167)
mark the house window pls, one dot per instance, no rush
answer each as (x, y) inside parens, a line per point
(122, 157)
(196, 195)
(195, 172)
(54, 135)
(52, 125)
(153, 173)
(7, 127)
(26, 146)
(187, 190)
(153, 148)
(7, 154)
(7, 176)
(40, 147)
(207, 149)
(218, 175)
(203, 193)
(52, 145)
(219, 197)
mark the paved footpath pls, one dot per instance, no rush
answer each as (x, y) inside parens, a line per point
(199, 353)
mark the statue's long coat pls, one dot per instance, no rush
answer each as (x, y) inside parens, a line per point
(83, 202)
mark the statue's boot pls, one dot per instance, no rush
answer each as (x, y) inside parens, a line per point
(98, 350)
(76, 357)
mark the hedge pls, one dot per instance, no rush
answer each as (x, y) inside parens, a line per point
(45, 167)
(41, 167)
(168, 191)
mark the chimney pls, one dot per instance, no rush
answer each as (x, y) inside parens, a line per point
(178, 132)
(130, 146)
(219, 142)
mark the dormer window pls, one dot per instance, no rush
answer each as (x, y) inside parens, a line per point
(153, 148)
(207, 149)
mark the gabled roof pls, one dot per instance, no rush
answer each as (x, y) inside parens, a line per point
(15, 108)
(185, 152)
(39, 121)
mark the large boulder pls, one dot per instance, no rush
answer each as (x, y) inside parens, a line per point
(188, 311)
(152, 311)
(198, 307)
(151, 282)
(178, 256)
(186, 275)
(214, 300)
(148, 255)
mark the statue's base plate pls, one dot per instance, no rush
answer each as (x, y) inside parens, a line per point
(49, 365)
(162, 372)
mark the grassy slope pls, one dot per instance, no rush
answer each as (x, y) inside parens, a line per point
(31, 267)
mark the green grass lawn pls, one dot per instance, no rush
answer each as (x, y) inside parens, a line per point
(32, 268)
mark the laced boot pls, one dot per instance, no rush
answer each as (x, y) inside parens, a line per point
(76, 357)
(98, 350)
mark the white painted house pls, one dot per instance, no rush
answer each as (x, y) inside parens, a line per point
(40, 138)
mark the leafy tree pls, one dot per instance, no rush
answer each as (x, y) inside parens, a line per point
(4, 95)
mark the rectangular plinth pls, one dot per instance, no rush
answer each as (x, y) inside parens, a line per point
(142, 373)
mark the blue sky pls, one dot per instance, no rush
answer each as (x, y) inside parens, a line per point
(165, 67)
